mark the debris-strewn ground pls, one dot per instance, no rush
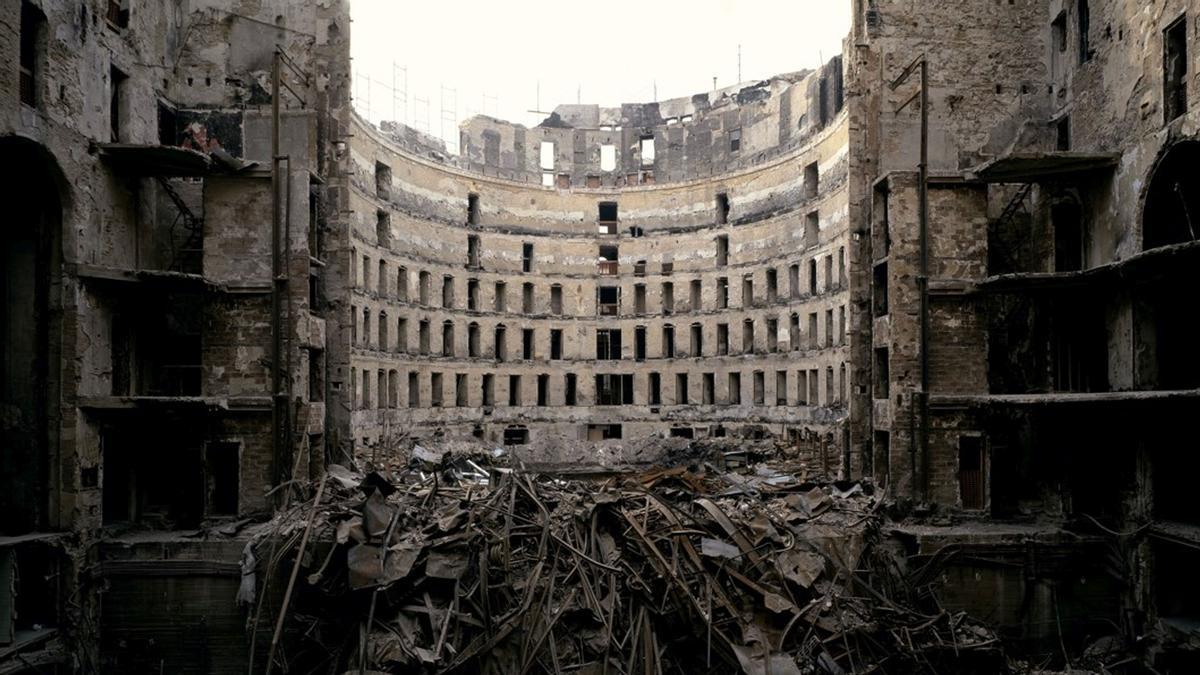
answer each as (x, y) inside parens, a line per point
(460, 562)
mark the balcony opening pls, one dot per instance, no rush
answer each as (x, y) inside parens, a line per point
(402, 335)
(722, 293)
(527, 352)
(423, 336)
(608, 264)
(722, 250)
(527, 298)
(722, 339)
(655, 387)
(435, 390)
(668, 341)
(708, 385)
(748, 336)
(448, 292)
(489, 390)
(697, 296)
(697, 341)
(501, 343)
(794, 332)
(639, 299)
(556, 300)
(722, 208)
(608, 300)
(526, 257)
(473, 340)
(759, 385)
(423, 282)
(514, 391)
(971, 478)
(614, 389)
(570, 387)
(639, 343)
(607, 220)
(772, 285)
(472, 295)
(556, 344)
(402, 284)
(448, 339)
(735, 388)
(681, 389)
(747, 291)
(781, 388)
(414, 390)
(608, 344)
(461, 399)
(772, 335)
(668, 298)
(543, 390)
(794, 280)
(812, 276)
(500, 297)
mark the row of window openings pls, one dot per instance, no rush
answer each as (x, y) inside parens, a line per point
(607, 216)
(608, 298)
(608, 341)
(610, 390)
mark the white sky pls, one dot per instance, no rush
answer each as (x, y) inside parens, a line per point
(608, 53)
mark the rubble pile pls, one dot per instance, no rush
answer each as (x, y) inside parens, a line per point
(463, 564)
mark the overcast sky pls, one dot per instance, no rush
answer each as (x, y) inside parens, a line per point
(491, 54)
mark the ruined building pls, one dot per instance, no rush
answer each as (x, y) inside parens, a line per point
(958, 259)
(675, 268)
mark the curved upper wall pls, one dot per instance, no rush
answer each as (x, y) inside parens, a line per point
(699, 137)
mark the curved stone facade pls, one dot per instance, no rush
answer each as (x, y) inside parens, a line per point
(489, 305)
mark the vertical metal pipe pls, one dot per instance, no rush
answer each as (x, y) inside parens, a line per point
(923, 277)
(277, 410)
